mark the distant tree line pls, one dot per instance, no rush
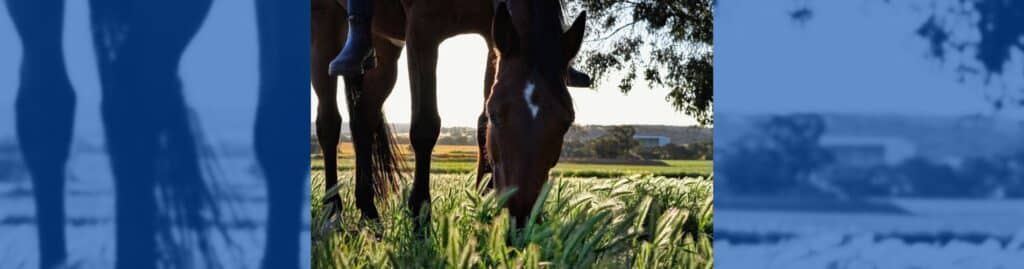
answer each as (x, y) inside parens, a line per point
(784, 156)
(618, 142)
(975, 177)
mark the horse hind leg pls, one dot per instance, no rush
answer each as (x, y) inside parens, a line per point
(378, 162)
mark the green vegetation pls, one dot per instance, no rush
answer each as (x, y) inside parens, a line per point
(673, 168)
(631, 222)
(450, 159)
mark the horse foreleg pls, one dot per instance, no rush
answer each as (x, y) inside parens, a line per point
(327, 35)
(426, 123)
(276, 129)
(44, 116)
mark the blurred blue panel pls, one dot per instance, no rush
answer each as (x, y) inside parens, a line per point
(144, 134)
(869, 134)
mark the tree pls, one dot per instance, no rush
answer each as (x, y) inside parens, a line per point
(667, 43)
(976, 38)
(778, 157)
(617, 142)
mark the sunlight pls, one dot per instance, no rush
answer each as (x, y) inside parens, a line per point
(460, 77)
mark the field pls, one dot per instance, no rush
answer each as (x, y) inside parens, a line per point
(451, 159)
(933, 234)
(639, 221)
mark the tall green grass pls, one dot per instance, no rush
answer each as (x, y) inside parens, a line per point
(637, 222)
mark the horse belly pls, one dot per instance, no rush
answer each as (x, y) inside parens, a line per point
(388, 18)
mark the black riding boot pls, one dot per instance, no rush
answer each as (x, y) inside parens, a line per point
(357, 53)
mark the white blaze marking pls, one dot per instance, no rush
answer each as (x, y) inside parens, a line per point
(527, 94)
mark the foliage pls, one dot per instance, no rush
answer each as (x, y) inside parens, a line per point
(617, 142)
(667, 43)
(780, 156)
(692, 151)
(976, 38)
(637, 222)
(975, 177)
(984, 51)
(457, 139)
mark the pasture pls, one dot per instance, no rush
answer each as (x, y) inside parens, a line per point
(451, 159)
(611, 221)
(932, 233)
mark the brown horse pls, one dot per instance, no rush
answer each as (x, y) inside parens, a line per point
(525, 117)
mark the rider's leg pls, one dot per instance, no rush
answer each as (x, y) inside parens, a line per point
(358, 45)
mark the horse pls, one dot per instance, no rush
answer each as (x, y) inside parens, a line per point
(520, 130)
(283, 72)
(152, 141)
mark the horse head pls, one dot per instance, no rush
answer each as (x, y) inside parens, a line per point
(529, 109)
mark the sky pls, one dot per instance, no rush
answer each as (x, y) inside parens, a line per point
(821, 65)
(227, 110)
(460, 76)
(228, 35)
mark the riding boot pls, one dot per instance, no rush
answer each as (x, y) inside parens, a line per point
(576, 78)
(357, 53)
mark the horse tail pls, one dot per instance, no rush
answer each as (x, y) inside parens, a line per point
(386, 163)
(387, 160)
(187, 185)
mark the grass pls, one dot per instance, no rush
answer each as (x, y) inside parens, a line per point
(451, 159)
(625, 222)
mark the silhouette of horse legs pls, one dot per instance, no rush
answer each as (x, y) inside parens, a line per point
(132, 150)
(277, 127)
(44, 109)
(426, 123)
(150, 138)
(326, 43)
(367, 121)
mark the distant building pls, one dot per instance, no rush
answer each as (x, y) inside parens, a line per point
(649, 141)
(866, 151)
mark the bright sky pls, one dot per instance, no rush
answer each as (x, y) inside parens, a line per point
(460, 79)
(851, 57)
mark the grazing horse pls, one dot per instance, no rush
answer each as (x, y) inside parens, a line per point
(526, 116)
(529, 109)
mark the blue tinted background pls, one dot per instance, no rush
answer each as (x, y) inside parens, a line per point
(869, 134)
(221, 83)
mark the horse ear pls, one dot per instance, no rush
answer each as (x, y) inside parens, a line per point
(506, 40)
(573, 38)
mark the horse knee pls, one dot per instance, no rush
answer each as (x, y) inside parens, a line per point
(328, 129)
(424, 131)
